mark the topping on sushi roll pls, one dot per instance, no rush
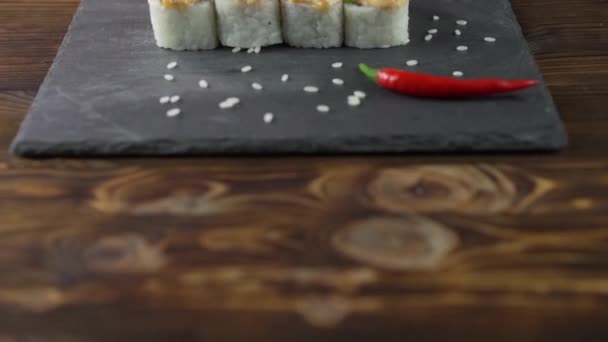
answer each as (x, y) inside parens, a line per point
(313, 23)
(376, 23)
(179, 4)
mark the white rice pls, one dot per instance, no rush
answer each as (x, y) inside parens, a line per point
(436, 17)
(428, 37)
(236, 49)
(489, 39)
(305, 25)
(462, 48)
(323, 108)
(203, 84)
(457, 32)
(169, 77)
(249, 24)
(172, 65)
(268, 117)
(353, 101)
(457, 74)
(370, 27)
(174, 112)
(411, 62)
(164, 99)
(360, 94)
(184, 29)
(246, 68)
(461, 22)
(311, 89)
(337, 81)
(433, 31)
(175, 99)
(337, 65)
(285, 78)
(256, 86)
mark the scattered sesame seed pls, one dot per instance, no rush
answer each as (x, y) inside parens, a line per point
(284, 78)
(164, 99)
(433, 31)
(251, 50)
(268, 117)
(461, 22)
(337, 65)
(462, 48)
(457, 32)
(490, 39)
(257, 49)
(174, 112)
(246, 68)
(256, 86)
(353, 101)
(169, 77)
(203, 84)
(428, 37)
(435, 17)
(311, 89)
(236, 49)
(360, 94)
(337, 81)
(411, 62)
(175, 99)
(323, 108)
(171, 65)
(457, 74)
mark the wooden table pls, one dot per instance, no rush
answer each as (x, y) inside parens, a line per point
(412, 248)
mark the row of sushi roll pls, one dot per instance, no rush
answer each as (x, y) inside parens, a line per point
(204, 24)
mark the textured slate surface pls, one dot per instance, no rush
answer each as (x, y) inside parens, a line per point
(101, 94)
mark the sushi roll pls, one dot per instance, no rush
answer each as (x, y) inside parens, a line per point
(376, 23)
(184, 24)
(313, 23)
(249, 23)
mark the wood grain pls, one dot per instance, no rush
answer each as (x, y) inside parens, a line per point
(421, 247)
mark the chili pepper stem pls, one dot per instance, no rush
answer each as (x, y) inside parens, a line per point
(371, 73)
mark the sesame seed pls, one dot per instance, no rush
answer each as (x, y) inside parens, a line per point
(435, 17)
(428, 37)
(337, 81)
(337, 65)
(256, 86)
(462, 48)
(164, 99)
(360, 94)
(311, 89)
(284, 78)
(203, 84)
(257, 49)
(353, 101)
(169, 77)
(251, 50)
(457, 32)
(457, 74)
(323, 108)
(174, 112)
(411, 62)
(171, 65)
(490, 39)
(461, 22)
(246, 68)
(268, 117)
(175, 99)
(236, 49)
(433, 31)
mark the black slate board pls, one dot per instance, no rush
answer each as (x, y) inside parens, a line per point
(101, 96)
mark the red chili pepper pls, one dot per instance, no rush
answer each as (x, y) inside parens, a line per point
(423, 85)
